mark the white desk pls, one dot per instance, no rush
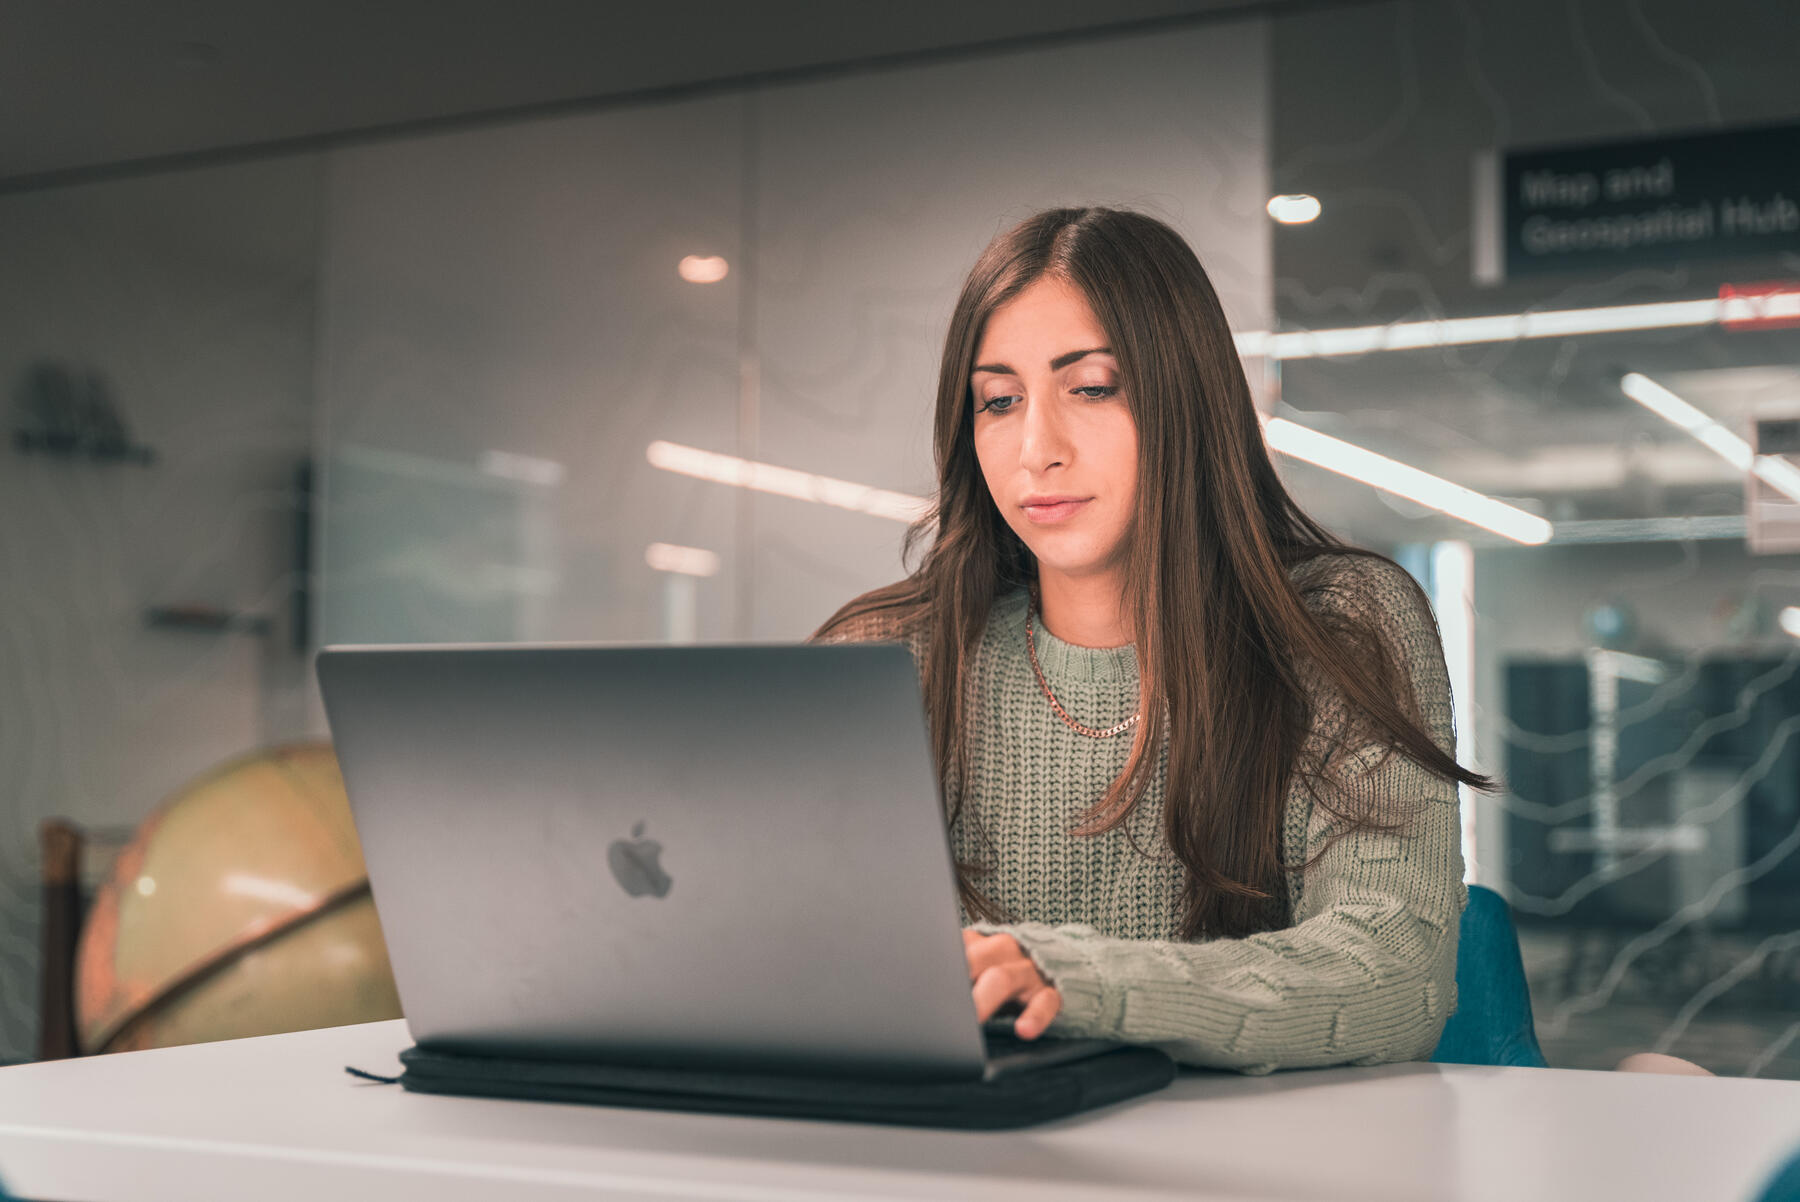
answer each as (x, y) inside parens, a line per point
(278, 1118)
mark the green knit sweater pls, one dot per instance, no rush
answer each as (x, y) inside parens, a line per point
(1364, 974)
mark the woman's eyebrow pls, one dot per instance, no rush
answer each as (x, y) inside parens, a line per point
(1056, 364)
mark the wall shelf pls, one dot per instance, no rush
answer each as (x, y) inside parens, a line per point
(207, 619)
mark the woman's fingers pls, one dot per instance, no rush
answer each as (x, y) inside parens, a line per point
(1039, 1010)
(1003, 983)
(988, 951)
(1002, 973)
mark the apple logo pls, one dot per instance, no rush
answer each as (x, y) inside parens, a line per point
(634, 864)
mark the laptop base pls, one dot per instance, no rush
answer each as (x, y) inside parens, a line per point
(1017, 1099)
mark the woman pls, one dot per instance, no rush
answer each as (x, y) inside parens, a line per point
(1195, 751)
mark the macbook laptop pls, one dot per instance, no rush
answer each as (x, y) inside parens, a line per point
(705, 856)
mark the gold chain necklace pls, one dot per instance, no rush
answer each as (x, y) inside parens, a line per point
(1078, 728)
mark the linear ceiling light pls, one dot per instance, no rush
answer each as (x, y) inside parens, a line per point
(1510, 327)
(1772, 470)
(1347, 459)
(683, 561)
(785, 482)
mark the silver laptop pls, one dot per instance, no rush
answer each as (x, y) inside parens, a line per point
(716, 856)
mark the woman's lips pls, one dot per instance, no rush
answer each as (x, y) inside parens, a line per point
(1061, 511)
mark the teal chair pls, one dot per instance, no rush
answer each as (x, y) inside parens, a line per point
(1784, 1186)
(1492, 1023)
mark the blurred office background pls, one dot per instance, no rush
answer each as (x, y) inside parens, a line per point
(337, 323)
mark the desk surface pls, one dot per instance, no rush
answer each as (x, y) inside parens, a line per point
(277, 1118)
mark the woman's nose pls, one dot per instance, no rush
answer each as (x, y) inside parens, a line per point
(1045, 442)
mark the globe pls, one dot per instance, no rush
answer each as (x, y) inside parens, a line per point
(240, 907)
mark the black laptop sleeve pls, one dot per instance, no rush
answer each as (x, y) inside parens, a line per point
(1014, 1100)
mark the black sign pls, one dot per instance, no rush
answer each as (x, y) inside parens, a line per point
(1734, 194)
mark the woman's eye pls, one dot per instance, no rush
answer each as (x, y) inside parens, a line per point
(1093, 392)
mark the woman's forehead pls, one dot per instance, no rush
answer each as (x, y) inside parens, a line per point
(1049, 318)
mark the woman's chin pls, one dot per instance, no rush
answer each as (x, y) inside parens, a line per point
(1058, 561)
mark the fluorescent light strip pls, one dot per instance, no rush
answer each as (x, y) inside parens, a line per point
(1778, 474)
(1510, 327)
(528, 469)
(1687, 419)
(1772, 470)
(1776, 306)
(685, 561)
(1390, 475)
(786, 482)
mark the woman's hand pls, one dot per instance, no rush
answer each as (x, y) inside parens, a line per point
(1003, 973)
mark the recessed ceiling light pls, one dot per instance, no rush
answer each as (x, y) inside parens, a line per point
(1294, 209)
(703, 269)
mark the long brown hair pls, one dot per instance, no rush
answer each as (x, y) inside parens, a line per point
(1224, 637)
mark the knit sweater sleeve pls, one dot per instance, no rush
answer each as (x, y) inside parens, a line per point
(1366, 973)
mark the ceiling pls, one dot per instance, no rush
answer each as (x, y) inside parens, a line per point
(88, 84)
